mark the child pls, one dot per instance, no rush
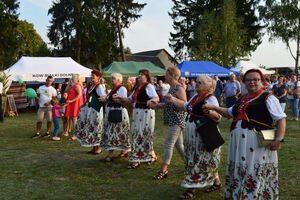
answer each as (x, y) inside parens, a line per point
(55, 118)
(62, 102)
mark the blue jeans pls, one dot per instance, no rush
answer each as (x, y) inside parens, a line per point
(219, 99)
(230, 101)
(56, 126)
(294, 106)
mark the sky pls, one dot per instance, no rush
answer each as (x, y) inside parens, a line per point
(152, 31)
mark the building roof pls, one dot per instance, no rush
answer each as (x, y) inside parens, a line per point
(149, 53)
(152, 56)
(155, 60)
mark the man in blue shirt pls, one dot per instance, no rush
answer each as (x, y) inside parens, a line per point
(232, 90)
(219, 88)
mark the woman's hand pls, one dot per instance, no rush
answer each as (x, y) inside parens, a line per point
(168, 98)
(207, 107)
(69, 101)
(116, 97)
(102, 99)
(274, 146)
(152, 104)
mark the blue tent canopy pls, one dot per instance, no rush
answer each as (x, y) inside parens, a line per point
(196, 68)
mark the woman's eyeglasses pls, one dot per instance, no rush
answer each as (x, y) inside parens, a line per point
(255, 80)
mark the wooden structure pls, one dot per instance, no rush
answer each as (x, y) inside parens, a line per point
(10, 105)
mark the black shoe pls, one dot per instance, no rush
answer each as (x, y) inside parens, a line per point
(46, 135)
(161, 175)
(36, 136)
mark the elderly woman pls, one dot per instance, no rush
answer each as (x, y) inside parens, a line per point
(175, 119)
(74, 101)
(143, 120)
(116, 131)
(200, 164)
(252, 171)
(90, 120)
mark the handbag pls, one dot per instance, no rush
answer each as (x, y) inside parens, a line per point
(210, 135)
(265, 137)
(115, 116)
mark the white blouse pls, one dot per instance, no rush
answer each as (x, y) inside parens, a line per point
(100, 91)
(122, 91)
(150, 90)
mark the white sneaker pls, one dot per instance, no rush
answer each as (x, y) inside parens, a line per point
(56, 138)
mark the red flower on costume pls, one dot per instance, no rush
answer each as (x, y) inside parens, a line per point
(195, 176)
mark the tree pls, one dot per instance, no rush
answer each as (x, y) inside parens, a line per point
(31, 43)
(120, 14)
(188, 14)
(127, 50)
(232, 35)
(78, 29)
(8, 33)
(282, 18)
(219, 37)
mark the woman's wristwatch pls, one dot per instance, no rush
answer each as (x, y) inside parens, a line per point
(279, 139)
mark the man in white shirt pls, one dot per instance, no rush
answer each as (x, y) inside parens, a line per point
(102, 84)
(1, 112)
(45, 94)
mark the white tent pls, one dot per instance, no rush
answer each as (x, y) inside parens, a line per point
(244, 66)
(38, 68)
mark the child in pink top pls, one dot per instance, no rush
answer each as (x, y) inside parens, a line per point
(55, 118)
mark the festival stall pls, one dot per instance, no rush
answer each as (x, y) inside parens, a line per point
(192, 69)
(38, 68)
(243, 66)
(132, 68)
(18, 90)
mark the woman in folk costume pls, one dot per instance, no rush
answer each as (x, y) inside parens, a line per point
(116, 122)
(252, 170)
(201, 165)
(89, 125)
(143, 120)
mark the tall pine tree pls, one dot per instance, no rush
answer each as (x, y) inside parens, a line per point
(188, 14)
(219, 37)
(120, 14)
(78, 29)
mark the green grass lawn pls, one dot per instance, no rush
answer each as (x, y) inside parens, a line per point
(45, 169)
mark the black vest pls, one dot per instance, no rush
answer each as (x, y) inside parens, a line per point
(197, 111)
(111, 103)
(142, 98)
(94, 92)
(257, 112)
